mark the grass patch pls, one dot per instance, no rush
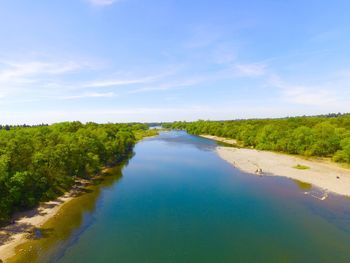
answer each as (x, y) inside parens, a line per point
(301, 167)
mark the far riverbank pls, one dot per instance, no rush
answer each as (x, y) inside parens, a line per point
(320, 173)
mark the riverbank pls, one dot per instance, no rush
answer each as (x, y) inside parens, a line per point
(321, 173)
(26, 225)
(220, 139)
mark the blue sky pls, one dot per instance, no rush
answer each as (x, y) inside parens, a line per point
(164, 60)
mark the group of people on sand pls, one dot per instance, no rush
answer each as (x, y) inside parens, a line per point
(259, 171)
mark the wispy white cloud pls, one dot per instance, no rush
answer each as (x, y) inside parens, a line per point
(41, 80)
(26, 70)
(88, 95)
(310, 96)
(21, 77)
(170, 84)
(249, 70)
(103, 2)
(126, 79)
(29, 71)
(305, 94)
(116, 82)
(329, 35)
(26, 83)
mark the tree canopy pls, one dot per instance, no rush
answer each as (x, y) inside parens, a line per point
(41, 162)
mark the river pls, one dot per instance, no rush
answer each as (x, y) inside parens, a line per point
(177, 201)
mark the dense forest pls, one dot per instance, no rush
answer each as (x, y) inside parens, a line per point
(39, 163)
(325, 136)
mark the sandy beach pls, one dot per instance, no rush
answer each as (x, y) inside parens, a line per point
(220, 139)
(25, 224)
(321, 173)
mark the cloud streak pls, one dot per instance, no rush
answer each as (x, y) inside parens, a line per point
(249, 70)
(117, 82)
(170, 84)
(31, 77)
(102, 2)
(15, 71)
(304, 94)
(88, 95)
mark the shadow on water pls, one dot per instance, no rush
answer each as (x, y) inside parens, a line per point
(59, 232)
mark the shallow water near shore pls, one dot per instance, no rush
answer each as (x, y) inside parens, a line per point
(177, 201)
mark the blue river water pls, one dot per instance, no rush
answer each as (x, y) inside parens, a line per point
(177, 201)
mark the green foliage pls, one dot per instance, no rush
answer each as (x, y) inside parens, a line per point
(142, 133)
(325, 136)
(39, 163)
(343, 155)
(300, 141)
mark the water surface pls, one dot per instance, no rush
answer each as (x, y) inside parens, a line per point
(177, 201)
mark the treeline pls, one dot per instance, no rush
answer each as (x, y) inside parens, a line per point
(9, 127)
(40, 163)
(325, 136)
